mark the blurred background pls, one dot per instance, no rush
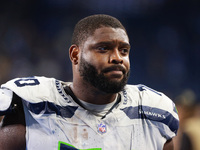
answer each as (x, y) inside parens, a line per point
(164, 34)
(165, 37)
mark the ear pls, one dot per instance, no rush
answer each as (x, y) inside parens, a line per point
(73, 53)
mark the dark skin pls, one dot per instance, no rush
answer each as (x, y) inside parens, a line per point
(107, 46)
(13, 129)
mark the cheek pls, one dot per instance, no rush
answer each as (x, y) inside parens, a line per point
(127, 62)
(98, 62)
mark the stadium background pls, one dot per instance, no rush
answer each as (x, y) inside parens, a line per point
(165, 37)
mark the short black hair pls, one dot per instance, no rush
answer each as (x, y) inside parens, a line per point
(87, 26)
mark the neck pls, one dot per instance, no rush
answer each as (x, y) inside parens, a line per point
(90, 94)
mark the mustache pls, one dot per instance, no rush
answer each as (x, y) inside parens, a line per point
(114, 68)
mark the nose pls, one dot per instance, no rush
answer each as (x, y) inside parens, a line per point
(115, 57)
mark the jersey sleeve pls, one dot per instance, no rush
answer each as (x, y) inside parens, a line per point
(171, 119)
(161, 110)
(5, 101)
(32, 89)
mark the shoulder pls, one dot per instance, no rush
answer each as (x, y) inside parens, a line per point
(33, 89)
(150, 104)
(143, 90)
(147, 96)
(28, 82)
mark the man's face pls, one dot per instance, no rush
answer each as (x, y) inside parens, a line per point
(104, 59)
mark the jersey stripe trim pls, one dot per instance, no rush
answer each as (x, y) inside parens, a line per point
(50, 108)
(155, 114)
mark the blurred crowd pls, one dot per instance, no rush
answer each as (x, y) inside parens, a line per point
(164, 34)
(189, 126)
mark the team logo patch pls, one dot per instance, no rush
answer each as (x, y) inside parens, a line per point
(102, 128)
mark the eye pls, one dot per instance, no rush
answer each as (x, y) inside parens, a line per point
(102, 48)
(124, 51)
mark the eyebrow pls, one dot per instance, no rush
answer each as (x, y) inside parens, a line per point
(123, 44)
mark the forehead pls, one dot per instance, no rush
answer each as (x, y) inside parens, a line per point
(104, 34)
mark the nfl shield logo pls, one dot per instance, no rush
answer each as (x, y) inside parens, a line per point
(102, 128)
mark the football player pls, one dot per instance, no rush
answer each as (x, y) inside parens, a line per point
(98, 110)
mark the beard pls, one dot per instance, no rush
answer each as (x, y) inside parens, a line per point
(99, 81)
